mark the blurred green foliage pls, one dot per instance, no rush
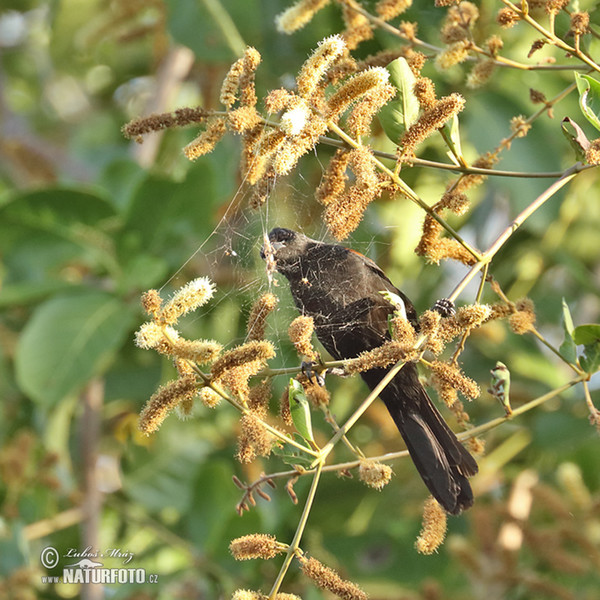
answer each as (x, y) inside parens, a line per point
(84, 230)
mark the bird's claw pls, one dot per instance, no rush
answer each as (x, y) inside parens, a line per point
(309, 372)
(445, 307)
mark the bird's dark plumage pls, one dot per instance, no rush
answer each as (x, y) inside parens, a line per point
(340, 289)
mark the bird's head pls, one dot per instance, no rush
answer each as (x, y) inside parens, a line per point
(283, 249)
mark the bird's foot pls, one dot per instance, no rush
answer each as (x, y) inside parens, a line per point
(308, 370)
(445, 307)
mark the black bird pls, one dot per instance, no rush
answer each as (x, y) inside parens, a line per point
(340, 289)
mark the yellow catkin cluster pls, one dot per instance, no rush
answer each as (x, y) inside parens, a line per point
(403, 332)
(191, 296)
(429, 324)
(250, 351)
(259, 397)
(434, 527)
(429, 122)
(298, 15)
(519, 126)
(182, 117)
(494, 44)
(244, 118)
(257, 320)
(209, 397)
(437, 248)
(458, 22)
(198, 351)
(252, 595)
(334, 179)
(481, 73)
(592, 154)
(388, 9)
(580, 23)
(151, 334)
(284, 407)
(300, 333)
(254, 439)
(454, 54)
(358, 27)
(251, 59)
(231, 84)
(314, 69)
(472, 315)
(387, 354)
(553, 7)
(151, 302)
(255, 545)
(356, 87)
(507, 18)
(374, 474)
(344, 213)
(447, 377)
(235, 367)
(424, 90)
(317, 394)
(360, 119)
(207, 140)
(523, 320)
(328, 579)
(164, 400)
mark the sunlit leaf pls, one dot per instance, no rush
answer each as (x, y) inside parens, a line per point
(68, 340)
(589, 98)
(399, 114)
(568, 348)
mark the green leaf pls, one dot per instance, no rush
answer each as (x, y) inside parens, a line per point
(568, 348)
(589, 98)
(590, 360)
(587, 334)
(451, 134)
(300, 410)
(399, 114)
(69, 340)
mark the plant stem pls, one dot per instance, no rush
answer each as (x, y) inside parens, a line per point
(295, 545)
(567, 176)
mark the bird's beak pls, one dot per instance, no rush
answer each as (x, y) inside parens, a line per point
(270, 249)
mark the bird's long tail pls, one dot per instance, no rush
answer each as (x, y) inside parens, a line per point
(442, 461)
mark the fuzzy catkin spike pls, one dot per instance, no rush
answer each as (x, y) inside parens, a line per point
(450, 375)
(257, 321)
(298, 15)
(164, 400)
(317, 65)
(434, 527)
(356, 87)
(430, 121)
(374, 474)
(328, 579)
(388, 9)
(188, 298)
(236, 357)
(359, 120)
(300, 333)
(334, 179)
(255, 545)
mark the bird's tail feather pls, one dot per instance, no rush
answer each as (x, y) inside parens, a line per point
(442, 461)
